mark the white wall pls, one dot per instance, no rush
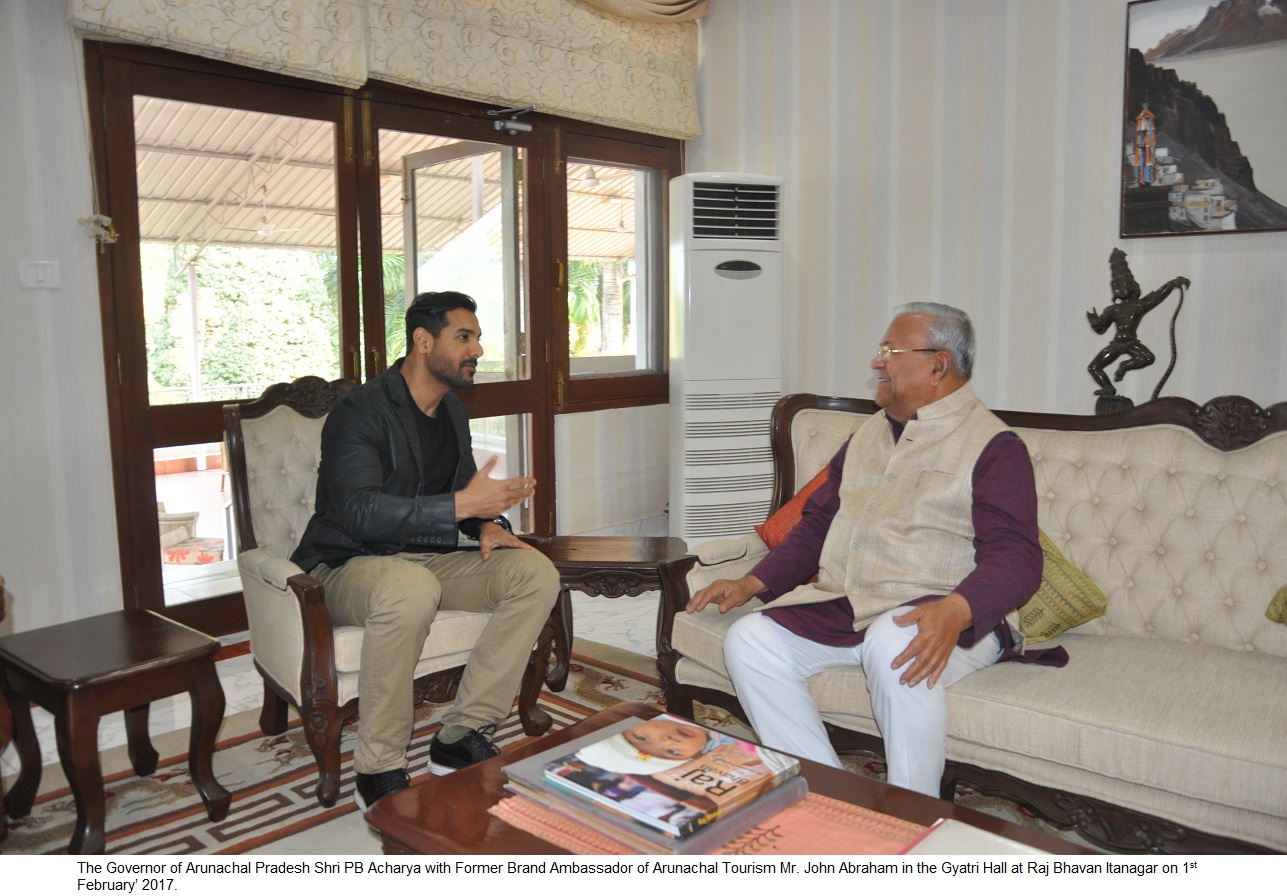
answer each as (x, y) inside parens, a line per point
(58, 549)
(967, 152)
(613, 470)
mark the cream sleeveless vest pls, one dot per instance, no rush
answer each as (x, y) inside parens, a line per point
(904, 528)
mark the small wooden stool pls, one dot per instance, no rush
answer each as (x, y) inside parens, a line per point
(118, 661)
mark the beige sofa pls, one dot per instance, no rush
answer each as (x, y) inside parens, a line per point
(1167, 729)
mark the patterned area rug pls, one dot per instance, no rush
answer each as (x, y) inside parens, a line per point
(272, 778)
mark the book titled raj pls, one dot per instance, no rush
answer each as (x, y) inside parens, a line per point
(667, 772)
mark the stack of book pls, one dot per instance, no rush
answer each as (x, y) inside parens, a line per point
(661, 785)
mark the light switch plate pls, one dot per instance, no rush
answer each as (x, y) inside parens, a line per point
(39, 275)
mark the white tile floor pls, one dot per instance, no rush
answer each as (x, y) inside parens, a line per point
(625, 622)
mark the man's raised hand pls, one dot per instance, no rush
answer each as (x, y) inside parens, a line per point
(485, 497)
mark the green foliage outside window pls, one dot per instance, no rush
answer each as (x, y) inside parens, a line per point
(598, 307)
(262, 316)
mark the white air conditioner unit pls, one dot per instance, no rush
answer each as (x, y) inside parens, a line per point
(725, 350)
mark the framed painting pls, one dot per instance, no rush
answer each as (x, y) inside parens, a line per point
(1204, 124)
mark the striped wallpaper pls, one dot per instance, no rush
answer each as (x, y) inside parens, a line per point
(967, 152)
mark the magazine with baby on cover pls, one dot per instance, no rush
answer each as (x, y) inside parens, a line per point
(670, 773)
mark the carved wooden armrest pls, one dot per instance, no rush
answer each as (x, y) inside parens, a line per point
(318, 679)
(674, 597)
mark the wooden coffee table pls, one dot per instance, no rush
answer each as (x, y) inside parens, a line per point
(448, 815)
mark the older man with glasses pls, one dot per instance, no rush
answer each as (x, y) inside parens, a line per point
(923, 539)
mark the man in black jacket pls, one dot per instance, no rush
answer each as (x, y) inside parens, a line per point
(397, 481)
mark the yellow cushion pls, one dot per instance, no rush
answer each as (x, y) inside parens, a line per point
(1065, 599)
(1277, 610)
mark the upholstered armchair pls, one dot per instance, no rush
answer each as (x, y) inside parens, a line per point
(183, 525)
(180, 542)
(274, 448)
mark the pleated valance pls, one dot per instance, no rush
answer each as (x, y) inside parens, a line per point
(626, 63)
(654, 10)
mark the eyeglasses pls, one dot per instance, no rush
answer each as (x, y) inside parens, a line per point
(885, 352)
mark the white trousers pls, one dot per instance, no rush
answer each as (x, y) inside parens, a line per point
(770, 667)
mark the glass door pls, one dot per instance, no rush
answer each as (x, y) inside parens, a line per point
(460, 228)
(228, 277)
(240, 291)
(461, 210)
(271, 228)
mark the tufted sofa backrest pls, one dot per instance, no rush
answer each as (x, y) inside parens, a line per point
(1189, 542)
(275, 448)
(816, 436)
(283, 451)
(1187, 539)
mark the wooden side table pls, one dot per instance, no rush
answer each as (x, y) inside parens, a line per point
(118, 661)
(605, 565)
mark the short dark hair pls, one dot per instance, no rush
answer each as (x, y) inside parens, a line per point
(429, 310)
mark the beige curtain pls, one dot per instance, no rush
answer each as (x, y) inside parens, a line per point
(625, 63)
(654, 10)
(322, 40)
(567, 57)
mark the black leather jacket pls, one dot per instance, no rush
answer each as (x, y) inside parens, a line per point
(368, 483)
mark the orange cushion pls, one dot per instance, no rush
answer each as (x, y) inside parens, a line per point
(776, 528)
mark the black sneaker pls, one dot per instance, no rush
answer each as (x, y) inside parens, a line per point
(370, 788)
(473, 747)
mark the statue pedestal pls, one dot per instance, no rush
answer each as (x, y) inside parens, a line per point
(1111, 404)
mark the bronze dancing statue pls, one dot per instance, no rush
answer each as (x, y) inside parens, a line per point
(1126, 312)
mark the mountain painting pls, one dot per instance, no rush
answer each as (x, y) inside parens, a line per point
(1205, 119)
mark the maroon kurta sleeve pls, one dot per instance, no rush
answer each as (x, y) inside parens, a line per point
(1007, 551)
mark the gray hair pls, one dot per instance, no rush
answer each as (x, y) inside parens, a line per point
(949, 330)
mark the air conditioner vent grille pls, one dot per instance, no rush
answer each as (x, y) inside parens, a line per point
(724, 210)
(726, 429)
(723, 484)
(725, 456)
(724, 520)
(707, 401)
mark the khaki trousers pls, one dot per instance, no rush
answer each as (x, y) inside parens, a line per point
(395, 599)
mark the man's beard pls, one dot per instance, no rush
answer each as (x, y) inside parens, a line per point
(452, 377)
